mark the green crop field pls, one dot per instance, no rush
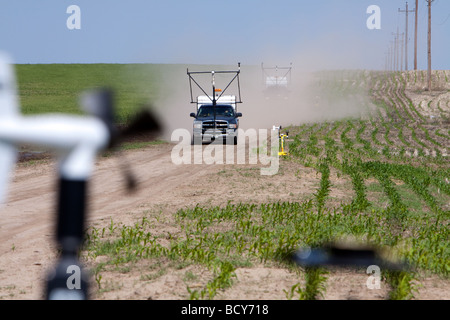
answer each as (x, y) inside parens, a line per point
(47, 88)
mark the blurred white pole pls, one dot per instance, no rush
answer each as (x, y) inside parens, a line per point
(77, 139)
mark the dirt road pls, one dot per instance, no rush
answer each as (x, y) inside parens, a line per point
(27, 221)
(27, 224)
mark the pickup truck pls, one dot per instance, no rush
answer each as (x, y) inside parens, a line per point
(213, 122)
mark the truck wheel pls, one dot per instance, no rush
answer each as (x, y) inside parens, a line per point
(235, 140)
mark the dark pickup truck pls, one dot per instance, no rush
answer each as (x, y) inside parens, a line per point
(221, 122)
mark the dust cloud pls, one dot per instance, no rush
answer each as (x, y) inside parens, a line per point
(310, 98)
(317, 92)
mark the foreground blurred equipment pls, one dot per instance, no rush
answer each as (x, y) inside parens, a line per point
(345, 253)
(350, 253)
(8, 110)
(281, 137)
(77, 139)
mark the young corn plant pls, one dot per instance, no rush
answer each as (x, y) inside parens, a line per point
(401, 283)
(315, 286)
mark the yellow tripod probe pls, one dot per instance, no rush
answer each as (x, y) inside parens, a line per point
(282, 137)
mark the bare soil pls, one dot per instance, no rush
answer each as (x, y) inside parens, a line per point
(27, 226)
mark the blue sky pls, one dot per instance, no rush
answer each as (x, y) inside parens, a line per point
(319, 33)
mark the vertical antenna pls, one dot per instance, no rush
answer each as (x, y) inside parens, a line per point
(214, 99)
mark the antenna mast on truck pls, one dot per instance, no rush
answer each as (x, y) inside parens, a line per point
(213, 73)
(273, 79)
